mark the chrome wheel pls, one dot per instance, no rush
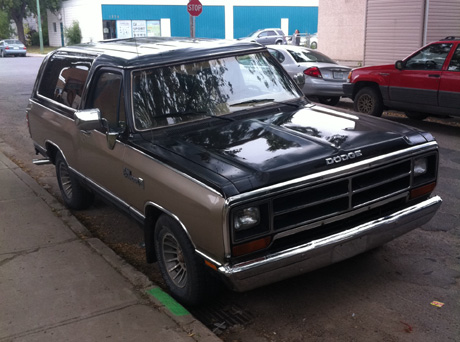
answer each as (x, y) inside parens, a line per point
(174, 260)
(65, 181)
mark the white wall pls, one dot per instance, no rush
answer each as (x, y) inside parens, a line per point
(341, 30)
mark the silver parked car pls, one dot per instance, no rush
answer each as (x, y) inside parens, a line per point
(323, 76)
(267, 36)
(12, 47)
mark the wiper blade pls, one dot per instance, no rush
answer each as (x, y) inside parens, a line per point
(251, 102)
(189, 112)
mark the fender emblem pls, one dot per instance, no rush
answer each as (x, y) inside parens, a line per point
(127, 173)
(344, 157)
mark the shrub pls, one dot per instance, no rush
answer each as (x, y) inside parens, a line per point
(73, 34)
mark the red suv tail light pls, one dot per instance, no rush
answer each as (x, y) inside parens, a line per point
(313, 72)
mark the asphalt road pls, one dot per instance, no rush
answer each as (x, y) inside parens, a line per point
(382, 295)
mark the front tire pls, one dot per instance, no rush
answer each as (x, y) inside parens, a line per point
(329, 100)
(183, 272)
(368, 101)
(74, 195)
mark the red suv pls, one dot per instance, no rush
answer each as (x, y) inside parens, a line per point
(425, 83)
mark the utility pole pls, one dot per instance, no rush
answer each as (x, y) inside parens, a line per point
(40, 33)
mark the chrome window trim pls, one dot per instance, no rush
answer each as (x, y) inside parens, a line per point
(73, 110)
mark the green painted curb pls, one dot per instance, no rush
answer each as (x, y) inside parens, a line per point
(168, 302)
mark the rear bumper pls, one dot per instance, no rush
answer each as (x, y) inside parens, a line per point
(329, 250)
(320, 87)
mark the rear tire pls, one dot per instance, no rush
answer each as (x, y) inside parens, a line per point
(329, 100)
(368, 101)
(74, 195)
(416, 115)
(183, 272)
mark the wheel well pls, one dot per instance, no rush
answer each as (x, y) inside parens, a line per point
(361, 85)
(151, 217)
(52, 151)
(152, 214)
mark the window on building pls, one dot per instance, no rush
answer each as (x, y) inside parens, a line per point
(54, 27)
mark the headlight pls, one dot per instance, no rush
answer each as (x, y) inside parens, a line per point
(420, 167)
(246, 218)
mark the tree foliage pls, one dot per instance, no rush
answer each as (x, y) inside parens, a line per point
(73, 33)
(18, 10)
(5, 28)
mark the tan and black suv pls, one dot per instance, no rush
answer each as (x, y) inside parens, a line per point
(233, 174)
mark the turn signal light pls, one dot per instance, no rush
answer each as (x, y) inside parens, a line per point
(423, 190)
(252, 246)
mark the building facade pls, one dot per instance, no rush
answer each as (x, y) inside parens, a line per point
(230, 19)
(371, 32)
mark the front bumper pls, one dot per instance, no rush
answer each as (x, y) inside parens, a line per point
(329, 250)
(348, 89)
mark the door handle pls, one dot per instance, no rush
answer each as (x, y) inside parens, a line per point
(434, 75)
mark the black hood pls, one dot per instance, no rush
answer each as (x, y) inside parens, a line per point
(246, 154)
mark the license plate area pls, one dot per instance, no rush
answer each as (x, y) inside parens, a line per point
(338, 75)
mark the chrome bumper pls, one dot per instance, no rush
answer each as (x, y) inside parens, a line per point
(328, 250)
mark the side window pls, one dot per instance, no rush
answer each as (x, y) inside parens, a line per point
(278, 55)
(263, 34)
(64, 79)
(107, 96)
(454, 64)
(430, 58)
(271, 33)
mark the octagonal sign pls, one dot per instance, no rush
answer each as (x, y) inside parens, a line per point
(195, 8)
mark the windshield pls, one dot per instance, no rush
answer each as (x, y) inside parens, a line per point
(307, 56)
(177, 94)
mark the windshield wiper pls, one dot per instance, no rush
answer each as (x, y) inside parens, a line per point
(193, 112)
(189, 112)
(251, 102)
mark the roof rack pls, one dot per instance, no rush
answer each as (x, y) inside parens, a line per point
(451, 38)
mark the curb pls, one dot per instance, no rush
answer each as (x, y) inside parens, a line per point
(164, 303)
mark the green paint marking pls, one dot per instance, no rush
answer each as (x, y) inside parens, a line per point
(168, 301)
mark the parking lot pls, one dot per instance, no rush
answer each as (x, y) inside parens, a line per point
(385, 294)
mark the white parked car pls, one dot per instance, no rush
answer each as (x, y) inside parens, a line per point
(323, 76)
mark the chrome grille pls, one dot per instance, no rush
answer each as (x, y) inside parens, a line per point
(333, 198)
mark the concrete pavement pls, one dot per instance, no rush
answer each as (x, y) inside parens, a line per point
(57, 283)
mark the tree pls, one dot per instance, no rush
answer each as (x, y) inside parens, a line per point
(18, 10)
(73, 33)
(5, 28)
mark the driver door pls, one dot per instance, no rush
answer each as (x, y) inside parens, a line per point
(418, 83)
(102, 165)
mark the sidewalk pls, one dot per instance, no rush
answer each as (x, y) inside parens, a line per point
(57, 283)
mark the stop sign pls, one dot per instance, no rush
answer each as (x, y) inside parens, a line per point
(195, 8)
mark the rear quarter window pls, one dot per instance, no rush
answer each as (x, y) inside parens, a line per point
(64, 78)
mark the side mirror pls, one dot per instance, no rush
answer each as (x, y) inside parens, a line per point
(399, 65)
(299, 79)
(88, 119)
